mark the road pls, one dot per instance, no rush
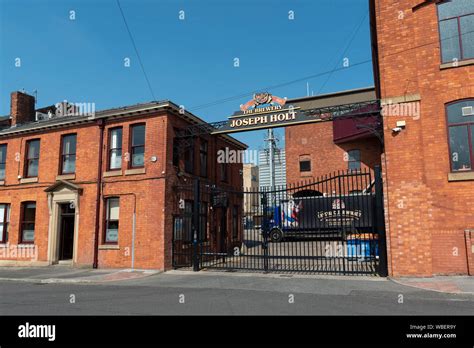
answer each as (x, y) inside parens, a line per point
(242, 294)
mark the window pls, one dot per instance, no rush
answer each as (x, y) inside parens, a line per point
(4, 221)
(353, 160)
(223, 168)
(3, 160)
(27, 224)
(460, 117)
(178, 228)
(235, 222)
(203, 221)
(305, 165)
(189, 159)
(115, 149)
(32, 158)
(183, 225)
(456, 30)
(137, 148)
(68, 154)
(176, 152)
(224, 172)
(112, 220)
(203, 158)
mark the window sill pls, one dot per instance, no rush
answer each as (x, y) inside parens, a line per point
(109, 247)
(135, 171)
(461, 176)
(456, 64)
(66, 177)
(26, 245)
(2, 182)
(28, 180)
(112, 173)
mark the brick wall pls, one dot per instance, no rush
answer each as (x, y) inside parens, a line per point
(315, 141)
(149, 193)
(426, 213)
(234, 182)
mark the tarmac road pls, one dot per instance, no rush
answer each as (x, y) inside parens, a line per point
(212, 293)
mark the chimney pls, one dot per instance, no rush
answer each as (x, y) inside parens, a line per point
(22, 108)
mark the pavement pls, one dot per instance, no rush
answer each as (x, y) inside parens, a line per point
(68, 274)
(57, 292)
(445, 284)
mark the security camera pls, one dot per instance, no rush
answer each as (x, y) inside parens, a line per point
(397, 129)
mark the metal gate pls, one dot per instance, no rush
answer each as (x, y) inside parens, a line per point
(334, 225)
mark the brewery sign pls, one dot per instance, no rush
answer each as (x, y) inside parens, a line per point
(264, 111)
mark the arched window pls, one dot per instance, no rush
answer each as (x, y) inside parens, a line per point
(456, 30)
(460, 117)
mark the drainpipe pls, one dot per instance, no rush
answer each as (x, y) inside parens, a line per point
(133, 232)
(100, 123)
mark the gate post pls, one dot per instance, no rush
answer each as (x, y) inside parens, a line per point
(380, 222)
(196, 224)
(265, 231)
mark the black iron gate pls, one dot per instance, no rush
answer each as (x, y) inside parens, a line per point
(333, 225)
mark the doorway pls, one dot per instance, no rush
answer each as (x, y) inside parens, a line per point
(66, 233)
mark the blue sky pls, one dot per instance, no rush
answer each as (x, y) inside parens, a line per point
(190, 61)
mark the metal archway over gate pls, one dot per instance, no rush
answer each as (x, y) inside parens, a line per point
(334, 225)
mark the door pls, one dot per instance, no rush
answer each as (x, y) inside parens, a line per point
(66, 234)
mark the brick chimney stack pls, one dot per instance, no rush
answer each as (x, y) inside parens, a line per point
(22, 108)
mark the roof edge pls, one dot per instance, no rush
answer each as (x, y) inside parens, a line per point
(334, 94)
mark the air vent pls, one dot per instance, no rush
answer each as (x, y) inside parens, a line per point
(467, 111)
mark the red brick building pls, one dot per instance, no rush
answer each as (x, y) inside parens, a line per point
(317, 149)
(423, 53)
(424, 57)
(98, 189)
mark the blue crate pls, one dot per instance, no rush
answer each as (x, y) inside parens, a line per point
(361, 248)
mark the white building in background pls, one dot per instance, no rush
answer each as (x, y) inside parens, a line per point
(251, 200)
(264, 168)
